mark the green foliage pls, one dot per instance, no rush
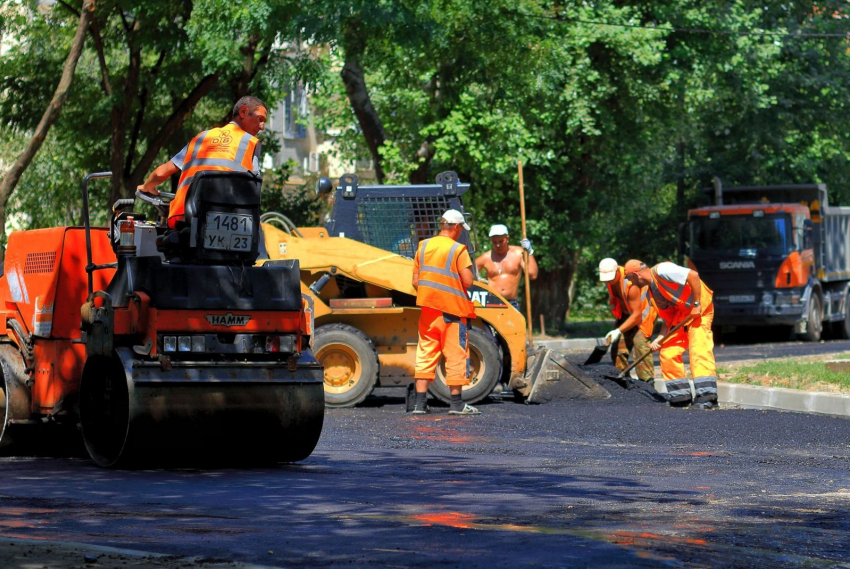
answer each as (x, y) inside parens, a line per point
(299, 203)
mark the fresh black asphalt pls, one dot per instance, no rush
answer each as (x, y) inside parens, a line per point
(624, 482)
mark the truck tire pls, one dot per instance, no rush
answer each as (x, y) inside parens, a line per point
(350, 361)
(814, 326)
(841, 329)
(486, 363)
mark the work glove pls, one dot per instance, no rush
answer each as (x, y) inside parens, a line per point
(613, 336)
(656, 343)
(526, 244)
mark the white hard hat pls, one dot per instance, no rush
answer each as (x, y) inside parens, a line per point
(454, 216)
(498, 229)
(607, 269)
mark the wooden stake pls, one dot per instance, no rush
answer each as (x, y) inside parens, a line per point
(524, 252)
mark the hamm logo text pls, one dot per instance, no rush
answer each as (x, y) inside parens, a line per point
(228, 319)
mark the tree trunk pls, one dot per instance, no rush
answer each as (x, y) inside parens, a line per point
(550, 293)
(51, 114)
(367, 116)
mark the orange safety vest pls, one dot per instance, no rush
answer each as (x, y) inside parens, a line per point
(225, 149)
(679, 295)
(620, 308)
(440, 286)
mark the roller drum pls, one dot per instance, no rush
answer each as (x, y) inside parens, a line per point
(136, 413)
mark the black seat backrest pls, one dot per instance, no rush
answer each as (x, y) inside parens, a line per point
(222, 210)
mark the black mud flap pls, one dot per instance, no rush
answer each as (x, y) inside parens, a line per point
(553, 378)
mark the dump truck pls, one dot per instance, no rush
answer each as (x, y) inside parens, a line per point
(161, 346)
(358, 269)
(774, 256)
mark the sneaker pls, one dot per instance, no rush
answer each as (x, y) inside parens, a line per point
(467, 410)
(705, 405)
(424, 411)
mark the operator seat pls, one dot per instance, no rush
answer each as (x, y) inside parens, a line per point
(221, 223)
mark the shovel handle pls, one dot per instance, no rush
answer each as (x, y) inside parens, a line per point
(670, 332)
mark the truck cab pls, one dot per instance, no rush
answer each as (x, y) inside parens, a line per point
(773, 255)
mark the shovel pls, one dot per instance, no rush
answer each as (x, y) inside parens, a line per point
(596, 355)
(622, 379)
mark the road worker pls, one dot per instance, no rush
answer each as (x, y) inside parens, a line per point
(635, 318)
(503, 263)
(442, 272)
(231, 148)
(678, 294)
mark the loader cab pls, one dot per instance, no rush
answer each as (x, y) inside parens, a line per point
(221, 222)
(394, 218)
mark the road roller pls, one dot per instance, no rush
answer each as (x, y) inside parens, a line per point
(161, 345)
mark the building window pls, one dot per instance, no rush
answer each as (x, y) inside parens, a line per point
(294, 109)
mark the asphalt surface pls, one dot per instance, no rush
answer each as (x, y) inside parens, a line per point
(623, 482)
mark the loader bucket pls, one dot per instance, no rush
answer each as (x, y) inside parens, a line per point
(550, 377)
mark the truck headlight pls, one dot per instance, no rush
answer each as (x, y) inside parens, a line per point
(184, 344)
(169, 343)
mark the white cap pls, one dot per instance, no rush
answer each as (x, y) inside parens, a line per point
(607, 269)
(454, 216)
(499, 229)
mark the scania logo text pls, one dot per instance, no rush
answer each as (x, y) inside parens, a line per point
(737, 265)
(228, 319)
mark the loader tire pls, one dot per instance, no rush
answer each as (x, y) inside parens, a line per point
(486, 363)
(350, 361)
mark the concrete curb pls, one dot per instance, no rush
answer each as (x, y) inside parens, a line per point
(777, 398)
(568, 345)
(757, 397)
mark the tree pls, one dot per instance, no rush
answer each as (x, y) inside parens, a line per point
(51, 114)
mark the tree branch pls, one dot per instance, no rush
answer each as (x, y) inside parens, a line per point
(51, 114)
(171, 126)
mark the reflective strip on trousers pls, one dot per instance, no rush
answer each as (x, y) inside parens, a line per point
(678, 390)
(705, 386)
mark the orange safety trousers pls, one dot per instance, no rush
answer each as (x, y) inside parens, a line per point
(699, 341)
(442, 335)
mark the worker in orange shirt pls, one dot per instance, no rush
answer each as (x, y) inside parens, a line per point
(635, 319)
(441, 275)
(231, 148)
(679, 294)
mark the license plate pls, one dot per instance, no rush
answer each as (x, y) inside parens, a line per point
(741, 298)
(228, 232)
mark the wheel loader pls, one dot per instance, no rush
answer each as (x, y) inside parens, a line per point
(358, 271)
(162, 346)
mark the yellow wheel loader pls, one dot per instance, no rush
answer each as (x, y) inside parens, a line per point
(357, 270)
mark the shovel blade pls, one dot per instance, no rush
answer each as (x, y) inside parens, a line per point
(596, 355)
(554, 378)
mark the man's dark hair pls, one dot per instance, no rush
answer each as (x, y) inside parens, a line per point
(253, 103)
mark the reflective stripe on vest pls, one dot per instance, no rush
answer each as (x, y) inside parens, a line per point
(439, 285)
(225, 149)
(670, 291)
(620, 306)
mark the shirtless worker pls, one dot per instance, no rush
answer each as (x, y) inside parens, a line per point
(503, 263)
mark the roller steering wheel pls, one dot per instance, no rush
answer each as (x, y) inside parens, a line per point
(160, 202)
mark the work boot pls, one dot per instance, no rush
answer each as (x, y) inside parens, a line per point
(467, 410)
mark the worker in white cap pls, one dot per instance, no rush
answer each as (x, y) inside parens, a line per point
(503, 263)
(635, 319)
(442, 274)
